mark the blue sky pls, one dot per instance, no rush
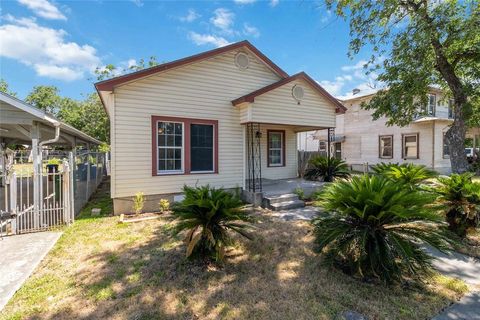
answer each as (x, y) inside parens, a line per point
(45, 42)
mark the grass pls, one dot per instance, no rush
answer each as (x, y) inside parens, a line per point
(102, 269)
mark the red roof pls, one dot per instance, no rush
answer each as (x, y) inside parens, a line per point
(340, 108)
(108, 85)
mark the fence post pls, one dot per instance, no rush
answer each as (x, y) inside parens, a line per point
(13, 201)
(87, 195)
(71, 193)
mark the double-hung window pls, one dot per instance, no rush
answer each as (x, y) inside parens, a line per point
(432, 102)
(410, 146)
(276, 148)
(184, 146)
(385, 146)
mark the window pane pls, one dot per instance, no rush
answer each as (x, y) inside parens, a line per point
(169, 146)
(275, 148)
(201, 147)
(161, 165)
(410, 145)
(386, 150)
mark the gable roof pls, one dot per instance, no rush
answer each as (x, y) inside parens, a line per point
(339, 108)
(108, 85)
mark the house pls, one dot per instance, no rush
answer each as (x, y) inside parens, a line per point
(361, 141)
(228, 117)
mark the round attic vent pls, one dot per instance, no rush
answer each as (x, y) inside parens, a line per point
(298, 92)
(242, 61)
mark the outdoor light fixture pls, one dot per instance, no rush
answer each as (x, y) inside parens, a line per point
(258, 134)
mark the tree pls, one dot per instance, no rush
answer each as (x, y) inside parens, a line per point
(45, 98)
(110, 70)
(4, 88)
(423, 43)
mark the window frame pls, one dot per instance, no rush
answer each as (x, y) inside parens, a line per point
(404, 135)
(434, 111)
(282, 153)
(380, 145)
(182, 148)
(186, 145)
(444, 156)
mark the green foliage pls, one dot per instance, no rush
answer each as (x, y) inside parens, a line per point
(164, 205)
(300, 193)
(104, 147)
(54, 161)
(208, 215)
(138, 202)
(375, 228)
(461, 199)
(409, 174)
(109, 71)
(45, 98)
(326, 168)
(5, 89)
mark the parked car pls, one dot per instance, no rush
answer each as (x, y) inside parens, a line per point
(469, 153)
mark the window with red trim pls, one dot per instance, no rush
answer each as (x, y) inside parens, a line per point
(184, 145)
(276, 148)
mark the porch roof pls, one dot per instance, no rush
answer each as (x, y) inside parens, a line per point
(18, 118)
(339, 108)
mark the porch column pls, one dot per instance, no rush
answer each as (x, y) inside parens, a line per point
(37, 173)
(330, 138)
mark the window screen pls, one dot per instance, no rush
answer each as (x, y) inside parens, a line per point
(410, 146)
(275, 148)
(201, 147)
(170, 143)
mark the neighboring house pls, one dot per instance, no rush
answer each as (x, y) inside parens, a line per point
(360, 140)
(227, 117)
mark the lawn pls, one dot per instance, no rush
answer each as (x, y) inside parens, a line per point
(102, 269)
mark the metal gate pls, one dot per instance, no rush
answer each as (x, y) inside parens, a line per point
(38, 200)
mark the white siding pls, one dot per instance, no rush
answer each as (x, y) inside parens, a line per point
(202, 90)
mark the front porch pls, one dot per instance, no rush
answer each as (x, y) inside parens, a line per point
(285, 186)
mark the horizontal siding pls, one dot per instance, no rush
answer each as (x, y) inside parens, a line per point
(278, 106)
(202, 90)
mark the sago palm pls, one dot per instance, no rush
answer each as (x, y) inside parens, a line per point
(461, 200)
(375, 228)
(207, 215)
(327, 168)
(409, 174)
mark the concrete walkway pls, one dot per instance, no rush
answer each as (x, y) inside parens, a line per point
(306, 213)
(20, 256)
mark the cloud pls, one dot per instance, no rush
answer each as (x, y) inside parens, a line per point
(250, 30)
(46, 50)
(191, 16)
(357, 66)
(274, 3)
(326, 16)
(138, 3)
(44, 9)
(333, 87)
(223, 20)
(244, 1)
(202, 39)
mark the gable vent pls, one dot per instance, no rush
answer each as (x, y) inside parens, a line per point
(242, 61)
(298, 92)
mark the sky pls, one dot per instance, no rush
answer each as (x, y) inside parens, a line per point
(60, 43)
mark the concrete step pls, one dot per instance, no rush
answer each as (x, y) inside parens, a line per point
(286, 205)
(271, 199)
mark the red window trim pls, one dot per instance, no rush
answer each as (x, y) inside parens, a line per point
(380, 146)
(186, 124)
(284, 137)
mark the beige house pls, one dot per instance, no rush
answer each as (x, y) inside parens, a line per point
(360, 141)
(228, 117)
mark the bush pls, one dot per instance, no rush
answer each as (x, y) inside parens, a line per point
(375, 228)
(138, 202)
(164, 205)
(461, 200)
(208, 215)
(407, 173)
(326, 168)
(54, 161)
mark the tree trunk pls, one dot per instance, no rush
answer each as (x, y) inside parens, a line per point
(455, 137)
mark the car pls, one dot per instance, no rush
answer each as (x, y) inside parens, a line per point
(469, 153)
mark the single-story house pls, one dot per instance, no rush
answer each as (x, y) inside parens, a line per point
(228, 117)
(362, 141)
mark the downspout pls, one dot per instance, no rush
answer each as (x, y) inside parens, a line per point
(55, 139)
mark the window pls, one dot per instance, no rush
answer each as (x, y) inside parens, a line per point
(432, 102)
(276, 148)
(410, 146)
(338, 150)
(184, 146)
(450, 108)
(446, 150)
(385, 147)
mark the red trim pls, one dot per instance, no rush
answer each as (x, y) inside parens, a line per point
(284, 137)
(339, 108)
(108, 85)
(186, 125)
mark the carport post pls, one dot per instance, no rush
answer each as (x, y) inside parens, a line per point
(37, 174)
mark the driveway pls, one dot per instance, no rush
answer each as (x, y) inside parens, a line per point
(20, 256)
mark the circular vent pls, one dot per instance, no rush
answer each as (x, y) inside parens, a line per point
(241, 60)
(298, 92)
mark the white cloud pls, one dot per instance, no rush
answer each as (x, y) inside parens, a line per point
(45, 49)
(274, 3)
(191, 16)
(326, 16)
(357, 66)
(223, 20)
(333, 87)
(44, 9)
(131, 62)
(244, 1)
(138, 3)
(250, 30)
(202, 39)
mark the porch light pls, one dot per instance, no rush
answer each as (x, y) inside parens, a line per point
(258, 134)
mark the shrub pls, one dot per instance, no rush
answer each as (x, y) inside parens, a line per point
(300, 193)
(407, 173)
(54, 161)
(164, 205)
(138, 202)
(375, 227)
(461, 199)
(208, 215)
(327, 168)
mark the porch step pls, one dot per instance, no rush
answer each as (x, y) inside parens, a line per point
(283, 202)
